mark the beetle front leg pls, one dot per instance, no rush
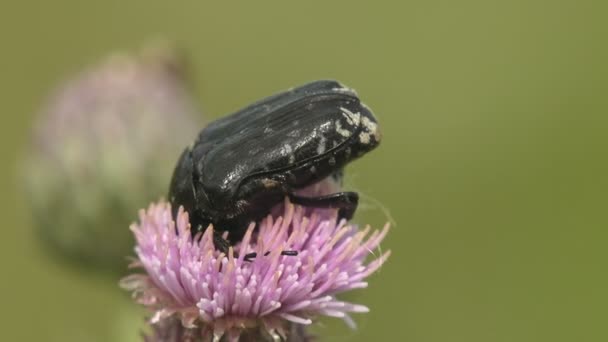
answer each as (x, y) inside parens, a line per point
(346, 202)
(250, 256)
(223, 246)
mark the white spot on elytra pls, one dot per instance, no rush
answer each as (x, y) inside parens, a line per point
(345, 89)
(321, 146)
(332, 161)
(364, 138)
(348, 119)
(286, 149)
(371, 126)
(343, 132)
(292, 159)
(255, 151)
(352, 119)
(313, 169)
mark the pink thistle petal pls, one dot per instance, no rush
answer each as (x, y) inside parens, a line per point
(224, 294)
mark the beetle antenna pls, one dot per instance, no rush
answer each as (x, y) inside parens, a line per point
(377, 204)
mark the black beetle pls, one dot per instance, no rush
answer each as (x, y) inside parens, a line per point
(242, 165)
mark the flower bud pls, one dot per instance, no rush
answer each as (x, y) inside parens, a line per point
(106, 142)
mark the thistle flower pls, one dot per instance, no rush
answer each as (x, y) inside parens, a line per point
(109, 129)
(196, 291)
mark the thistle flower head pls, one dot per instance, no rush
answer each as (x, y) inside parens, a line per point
(217, 295)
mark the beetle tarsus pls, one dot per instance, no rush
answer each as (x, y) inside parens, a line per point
(250, 256)
(224, 245)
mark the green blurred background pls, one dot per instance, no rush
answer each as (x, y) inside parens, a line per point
(493, 163)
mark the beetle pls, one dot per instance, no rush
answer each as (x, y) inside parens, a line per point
(242, 165)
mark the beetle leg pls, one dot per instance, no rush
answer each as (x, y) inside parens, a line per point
(346, 202)
(223, 246)
(250, 256)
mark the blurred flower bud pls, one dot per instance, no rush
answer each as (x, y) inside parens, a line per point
(106, 142)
